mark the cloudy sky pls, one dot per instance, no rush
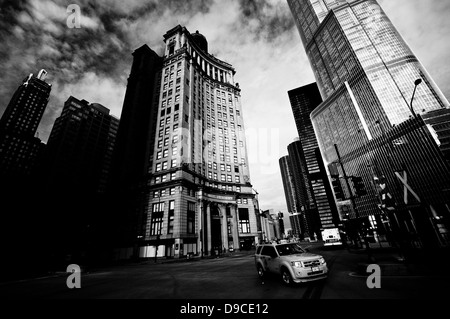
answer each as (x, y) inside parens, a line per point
(258, 37)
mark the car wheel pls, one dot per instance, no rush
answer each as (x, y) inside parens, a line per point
(286, 277)
(261, 271)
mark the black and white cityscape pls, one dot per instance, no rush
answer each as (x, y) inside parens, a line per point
(225, 150)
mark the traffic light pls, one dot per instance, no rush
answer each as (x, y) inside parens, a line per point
(337, 187)
(358, 186)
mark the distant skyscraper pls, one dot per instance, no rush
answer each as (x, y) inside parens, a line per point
(303, 101)
(198, 198)
(303, 190)
(288, 184)
(80, 147)
(300, 226)
(19, 148)
(367, 76)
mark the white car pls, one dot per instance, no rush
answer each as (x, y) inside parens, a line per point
(291, 262)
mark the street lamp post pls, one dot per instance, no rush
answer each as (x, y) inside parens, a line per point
(416, 84)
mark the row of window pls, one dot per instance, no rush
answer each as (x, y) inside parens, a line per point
(165, 165)
(157, 219)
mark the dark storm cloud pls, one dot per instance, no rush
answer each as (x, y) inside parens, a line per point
(267, 19)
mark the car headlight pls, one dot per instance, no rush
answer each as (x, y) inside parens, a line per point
(297, 264)
(322, 260)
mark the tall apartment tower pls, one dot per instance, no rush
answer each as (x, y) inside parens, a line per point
(20, 151)
(133, 153)
(19, 147)
(76, 170)
(199, 196)
(80, 146)
(303, 101)
(374, 92)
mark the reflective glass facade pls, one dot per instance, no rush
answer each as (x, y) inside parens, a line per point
(366, 74)
(346, 37)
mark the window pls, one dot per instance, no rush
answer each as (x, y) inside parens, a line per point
(171, 217)
(174, 163)
(166, 153)
(157, 219)
(222, 167)
(173, 176)
(165, 165)
(160, 143)
(244, 222)
(172, 191)
(215, 176)
(223, 178)
(166, 141)
(238, 179)
(158, 167)
(174, 151)
(191, 218)
(238, 189)
(158, 155)
(229, 178)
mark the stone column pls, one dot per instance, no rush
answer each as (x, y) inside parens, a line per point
(235, 227)
(208, 225)
(200, 244)
(223, 210)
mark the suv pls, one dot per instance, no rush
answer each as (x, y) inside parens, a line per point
(292, 262)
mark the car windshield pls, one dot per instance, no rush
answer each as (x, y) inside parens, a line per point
(289, 249)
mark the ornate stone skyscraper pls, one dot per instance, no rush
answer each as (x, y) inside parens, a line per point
(198, 198)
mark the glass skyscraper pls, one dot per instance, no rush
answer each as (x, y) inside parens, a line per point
(367, 76)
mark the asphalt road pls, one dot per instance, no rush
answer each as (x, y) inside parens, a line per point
(227, 278)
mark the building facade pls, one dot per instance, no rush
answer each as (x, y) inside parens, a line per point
(199, 196)
(19, 146)
(373, 103)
